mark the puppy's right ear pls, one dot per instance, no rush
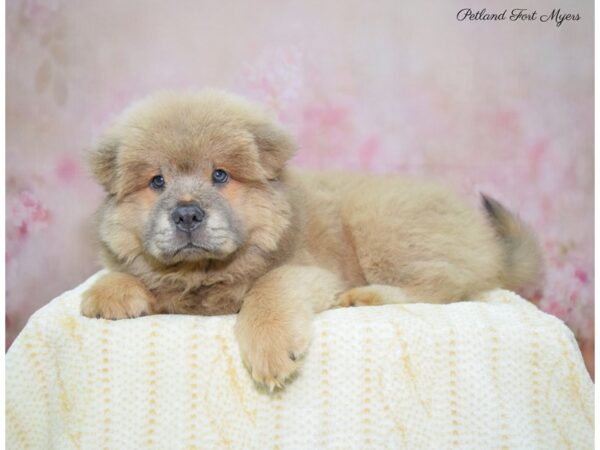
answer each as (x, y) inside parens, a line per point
(275, 144)
(102, 159)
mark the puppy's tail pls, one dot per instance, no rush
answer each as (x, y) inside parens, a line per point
(523, 263)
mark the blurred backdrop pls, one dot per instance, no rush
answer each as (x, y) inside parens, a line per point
(500, 107)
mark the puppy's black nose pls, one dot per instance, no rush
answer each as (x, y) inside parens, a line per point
(187, 217)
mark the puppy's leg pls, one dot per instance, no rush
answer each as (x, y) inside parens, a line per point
(274, 325)
(117, 295)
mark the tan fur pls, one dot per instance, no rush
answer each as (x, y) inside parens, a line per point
(117, 296)
(273, 327)
(373, 295)
(277, 244)
(521, 252)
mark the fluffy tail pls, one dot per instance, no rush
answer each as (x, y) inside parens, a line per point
(523, 257)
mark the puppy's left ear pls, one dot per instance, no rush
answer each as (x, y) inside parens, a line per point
(102, 159)
(276, 147)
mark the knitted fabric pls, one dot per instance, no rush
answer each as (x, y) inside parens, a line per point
(494, 373)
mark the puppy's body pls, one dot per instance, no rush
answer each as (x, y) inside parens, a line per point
(403, 232)
(276, 244)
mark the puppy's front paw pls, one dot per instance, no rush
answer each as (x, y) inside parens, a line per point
(272, 349)
(116, 296)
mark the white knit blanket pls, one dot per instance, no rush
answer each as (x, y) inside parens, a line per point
(496, 373)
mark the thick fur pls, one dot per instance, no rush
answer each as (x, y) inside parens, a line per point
(278, 245)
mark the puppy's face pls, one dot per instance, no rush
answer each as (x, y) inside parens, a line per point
(189, 176)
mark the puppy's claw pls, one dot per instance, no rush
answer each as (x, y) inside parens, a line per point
(274, 384)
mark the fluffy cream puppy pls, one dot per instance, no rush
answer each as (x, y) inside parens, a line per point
(203, 217)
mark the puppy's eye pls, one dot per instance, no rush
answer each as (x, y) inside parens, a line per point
(219, 176)
(157, 183)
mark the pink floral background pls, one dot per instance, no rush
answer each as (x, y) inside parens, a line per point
(505, 108)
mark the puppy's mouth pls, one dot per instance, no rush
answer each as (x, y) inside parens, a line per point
(196, 250)
(190, 247)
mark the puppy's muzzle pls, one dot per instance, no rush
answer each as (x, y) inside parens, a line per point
(187, 217)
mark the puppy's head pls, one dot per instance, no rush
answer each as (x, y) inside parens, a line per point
(190, 177)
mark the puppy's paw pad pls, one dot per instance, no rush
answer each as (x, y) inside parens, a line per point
(360, 296)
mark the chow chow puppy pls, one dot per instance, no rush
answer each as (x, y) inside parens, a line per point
(203, 217)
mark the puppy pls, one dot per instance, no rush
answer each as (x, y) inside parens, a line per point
(202, 217)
